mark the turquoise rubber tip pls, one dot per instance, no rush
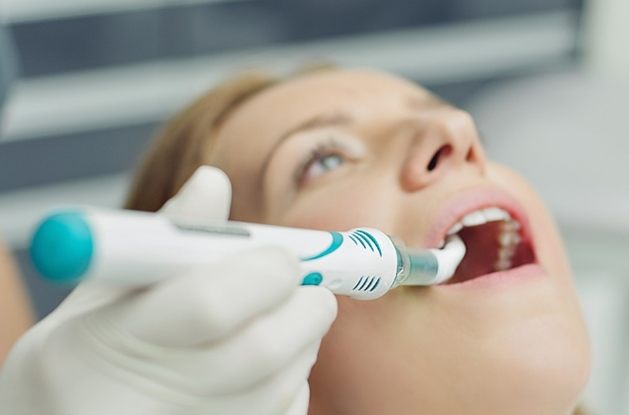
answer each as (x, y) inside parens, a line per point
(314, 278)
(62, 247)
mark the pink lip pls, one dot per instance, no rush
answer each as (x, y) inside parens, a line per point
(469, 201)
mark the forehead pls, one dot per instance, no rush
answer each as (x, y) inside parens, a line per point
(255, 125)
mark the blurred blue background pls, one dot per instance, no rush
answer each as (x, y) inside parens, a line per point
(547, 81)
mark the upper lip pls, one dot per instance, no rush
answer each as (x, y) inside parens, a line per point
(455, 208)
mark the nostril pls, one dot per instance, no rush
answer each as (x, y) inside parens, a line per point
(434, 161)
(470, 155)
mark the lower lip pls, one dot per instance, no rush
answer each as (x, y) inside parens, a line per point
(498, 278)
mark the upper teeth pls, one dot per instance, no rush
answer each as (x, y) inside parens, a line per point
(508, 237)
(480, 217)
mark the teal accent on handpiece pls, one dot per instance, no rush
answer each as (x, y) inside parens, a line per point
(337, 240)
(314, 278)
(423, 264)
(358, 240)
(370, 236)
(62, 247)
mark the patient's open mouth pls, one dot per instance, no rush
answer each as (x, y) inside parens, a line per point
(495, 241)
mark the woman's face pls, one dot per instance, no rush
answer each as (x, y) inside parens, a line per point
(343, 149)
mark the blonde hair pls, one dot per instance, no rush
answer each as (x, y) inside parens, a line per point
(186, 141)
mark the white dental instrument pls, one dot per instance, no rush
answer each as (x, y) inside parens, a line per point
(362, 263)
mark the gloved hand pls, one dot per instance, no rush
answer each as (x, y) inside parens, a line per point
(237, 337)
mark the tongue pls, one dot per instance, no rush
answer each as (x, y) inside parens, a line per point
(482, 251)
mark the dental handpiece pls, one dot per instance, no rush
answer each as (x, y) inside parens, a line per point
(140, 248)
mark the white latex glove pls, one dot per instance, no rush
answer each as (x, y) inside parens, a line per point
(237, 337)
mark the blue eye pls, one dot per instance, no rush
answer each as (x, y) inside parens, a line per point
(321, 164)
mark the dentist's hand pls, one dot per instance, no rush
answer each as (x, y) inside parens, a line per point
(238, 337)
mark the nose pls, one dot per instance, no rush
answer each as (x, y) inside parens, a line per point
(444, 141)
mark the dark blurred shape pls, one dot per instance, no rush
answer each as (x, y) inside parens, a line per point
(71, 156)
(8, 65)
(475, 9)
(97, 41)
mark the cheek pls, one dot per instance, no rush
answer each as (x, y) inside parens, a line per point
(342, 207)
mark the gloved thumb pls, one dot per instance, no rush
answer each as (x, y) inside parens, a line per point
(206, 196)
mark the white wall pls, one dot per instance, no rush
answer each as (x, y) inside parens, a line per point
(606, 37)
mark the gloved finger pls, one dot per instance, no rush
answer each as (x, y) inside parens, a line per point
(206, 196)
(286, 391)
(90, 295)
(264, 347)
(299, 406)
(210, 303)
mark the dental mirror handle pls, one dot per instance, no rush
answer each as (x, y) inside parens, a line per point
(116, 245)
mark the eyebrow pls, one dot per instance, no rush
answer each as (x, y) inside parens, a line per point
(337, 119)
(318, 121)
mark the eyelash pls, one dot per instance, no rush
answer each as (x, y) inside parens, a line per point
(325, 148)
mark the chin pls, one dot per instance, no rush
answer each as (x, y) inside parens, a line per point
(540, 368)
(525, 360)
